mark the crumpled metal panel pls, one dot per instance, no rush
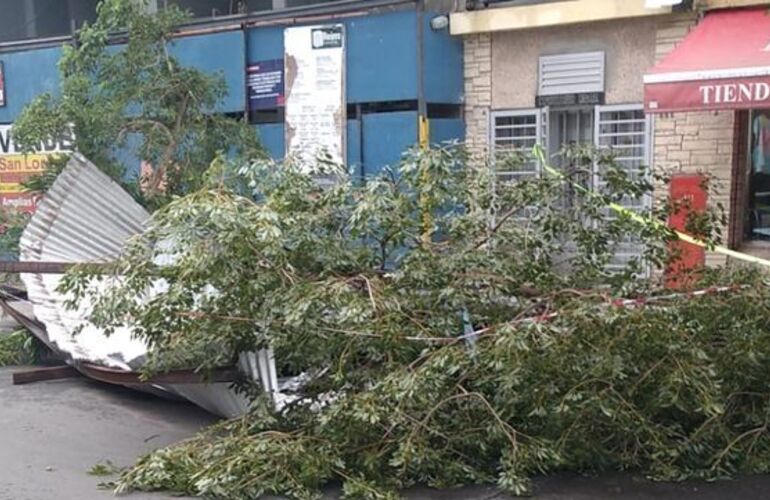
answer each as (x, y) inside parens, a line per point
(86, 217)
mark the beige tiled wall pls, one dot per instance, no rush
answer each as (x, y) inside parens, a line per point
(686, 142)
(698, 142)
(478, 90)
(693, 142)
(671, 30)
(628, 46)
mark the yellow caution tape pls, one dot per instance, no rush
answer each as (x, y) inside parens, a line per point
(644, 220)
(689, 239)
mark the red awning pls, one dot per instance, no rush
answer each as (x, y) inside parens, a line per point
(724, 63)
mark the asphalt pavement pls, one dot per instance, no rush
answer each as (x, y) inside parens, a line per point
(52, 433)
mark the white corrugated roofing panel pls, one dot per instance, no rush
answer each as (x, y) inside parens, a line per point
(86, 217)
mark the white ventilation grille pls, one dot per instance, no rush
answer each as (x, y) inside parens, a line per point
(571, 73)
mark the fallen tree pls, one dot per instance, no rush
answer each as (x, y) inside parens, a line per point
(454, 328)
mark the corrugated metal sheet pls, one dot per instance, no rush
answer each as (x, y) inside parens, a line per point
(86, 217)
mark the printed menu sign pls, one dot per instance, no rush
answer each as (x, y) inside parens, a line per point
(315, 92)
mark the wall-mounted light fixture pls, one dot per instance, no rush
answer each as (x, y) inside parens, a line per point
(656, 4)
(439, 23)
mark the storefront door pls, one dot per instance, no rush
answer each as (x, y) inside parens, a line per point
(759, 176)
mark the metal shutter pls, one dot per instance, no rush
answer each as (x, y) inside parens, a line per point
(517, 131)
(626, 131)
(571, 73)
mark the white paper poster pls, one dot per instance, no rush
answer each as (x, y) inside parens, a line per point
(315, 92)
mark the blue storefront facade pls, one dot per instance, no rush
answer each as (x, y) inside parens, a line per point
(397, 67)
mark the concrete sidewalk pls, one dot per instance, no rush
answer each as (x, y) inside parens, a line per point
(52, 433)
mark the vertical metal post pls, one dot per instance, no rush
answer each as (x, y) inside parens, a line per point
(422, 107)
(360, 119)
(423, 130)
(245, 33)
(30, 30)
(152, 5)
(578, 134)
(74, 31)
(72, 12)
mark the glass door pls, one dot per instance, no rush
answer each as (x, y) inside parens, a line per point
(759, 177)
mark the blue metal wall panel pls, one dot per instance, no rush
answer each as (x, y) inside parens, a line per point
(31, 73)
(271, 137)
(446, 129)
(443, 64)
(386, 137)
(265, 43)
(381, 55)
(222, 53)
(354, 147)
(27, 75)
(381, 66)
(128, 156)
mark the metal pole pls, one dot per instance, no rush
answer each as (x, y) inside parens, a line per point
(422, 107)
(360, 118)
(30, 19)
(246, 97)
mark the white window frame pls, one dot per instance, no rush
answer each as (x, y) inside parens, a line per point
(647, 134)
(645, 159)
(540, 137)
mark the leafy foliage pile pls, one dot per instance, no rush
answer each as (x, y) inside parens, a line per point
(19, 348)
(11, 225)
(135, 100)
(455, 328)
